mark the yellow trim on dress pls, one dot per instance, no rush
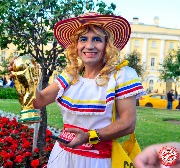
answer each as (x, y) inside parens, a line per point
(84, 101)
(111, 90)
(65, 76)
(127, 83)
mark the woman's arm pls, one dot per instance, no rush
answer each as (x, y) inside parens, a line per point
(46, 96)
(126, 109)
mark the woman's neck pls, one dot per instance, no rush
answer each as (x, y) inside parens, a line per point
(91, 72)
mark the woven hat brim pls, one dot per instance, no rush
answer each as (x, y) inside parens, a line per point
(117, 25)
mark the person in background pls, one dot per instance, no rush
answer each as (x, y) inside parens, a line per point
(179, 103)
(4, 81)
(176, 95)
(86, 90)
(150, 157)
(170, 99)
(11, 82)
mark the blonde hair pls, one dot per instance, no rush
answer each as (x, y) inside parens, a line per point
(74, 67)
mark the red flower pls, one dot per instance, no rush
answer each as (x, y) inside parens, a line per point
(47, 148)
(4, 120)
(6, 156)
(8, 139)
(28, 154)
(26, 144)
(14, 145)
(8, 164)
(1, 140)
(48, 133)
(36, 150)
(15, 131)
(35, 163)
(19, 159)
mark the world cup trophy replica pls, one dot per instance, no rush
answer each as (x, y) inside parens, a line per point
(26, 78)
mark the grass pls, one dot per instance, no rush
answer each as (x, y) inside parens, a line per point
(152, 124)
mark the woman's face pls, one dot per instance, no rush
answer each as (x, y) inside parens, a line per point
(91, 48)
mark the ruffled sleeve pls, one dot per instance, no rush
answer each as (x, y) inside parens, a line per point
(63, 81)
(128, 84)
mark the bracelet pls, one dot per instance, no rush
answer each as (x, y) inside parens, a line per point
(97, 132)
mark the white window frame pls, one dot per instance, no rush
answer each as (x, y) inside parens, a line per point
(136, 43)
(16, 53)
(153, 62)
(151, 85)
(154, 44)
(3, 56)
(171, 45)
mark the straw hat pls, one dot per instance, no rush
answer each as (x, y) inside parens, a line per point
(117, 25)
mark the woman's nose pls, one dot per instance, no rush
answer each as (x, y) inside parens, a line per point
(90, 44)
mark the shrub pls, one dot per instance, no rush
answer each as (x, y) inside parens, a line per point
(8, 93)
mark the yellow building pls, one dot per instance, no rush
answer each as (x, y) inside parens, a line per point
(152, 42)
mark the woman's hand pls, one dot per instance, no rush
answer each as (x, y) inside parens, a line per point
(80, 138)
(149, 157)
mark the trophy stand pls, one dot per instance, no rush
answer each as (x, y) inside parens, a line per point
(29, 116)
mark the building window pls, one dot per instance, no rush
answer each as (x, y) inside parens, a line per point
(152, 62)
(16, 53)
(171, 46)
(153, 44)
(136, 43)
(3, 55)
(151, 85)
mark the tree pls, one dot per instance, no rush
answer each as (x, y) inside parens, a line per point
(171, 66)
(5, 65)
(28, 24)
(134, 62)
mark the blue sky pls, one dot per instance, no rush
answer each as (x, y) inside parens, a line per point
(168, 11)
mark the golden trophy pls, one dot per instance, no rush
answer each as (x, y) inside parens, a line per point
(26, 77)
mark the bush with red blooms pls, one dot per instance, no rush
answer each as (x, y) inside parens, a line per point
(16, 141)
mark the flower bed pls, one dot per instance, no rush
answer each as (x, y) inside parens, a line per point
(16, 145)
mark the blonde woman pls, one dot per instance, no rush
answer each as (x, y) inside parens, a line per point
(87, 88)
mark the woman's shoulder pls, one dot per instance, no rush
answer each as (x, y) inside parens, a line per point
(125, 72)
(126, 69)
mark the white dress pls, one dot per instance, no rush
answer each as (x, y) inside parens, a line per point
(89, 106)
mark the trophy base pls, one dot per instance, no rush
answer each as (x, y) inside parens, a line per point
(29, 117)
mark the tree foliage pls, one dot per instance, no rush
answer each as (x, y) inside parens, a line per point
(5, 64)
(28, 24)
(134, 62)
(171, 66)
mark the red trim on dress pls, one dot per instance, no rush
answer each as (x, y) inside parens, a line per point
(100, 150)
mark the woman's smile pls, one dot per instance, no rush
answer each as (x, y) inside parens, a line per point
(90, 54)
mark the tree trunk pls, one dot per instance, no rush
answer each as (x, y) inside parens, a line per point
(42, 131)
(43, 124)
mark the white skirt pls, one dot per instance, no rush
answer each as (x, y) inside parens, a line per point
(60, 158)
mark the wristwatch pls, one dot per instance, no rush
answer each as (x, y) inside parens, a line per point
(93, 137)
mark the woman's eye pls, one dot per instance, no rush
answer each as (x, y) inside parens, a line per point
(82, 39)
(97, 39)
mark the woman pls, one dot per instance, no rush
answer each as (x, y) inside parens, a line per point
(87, 89)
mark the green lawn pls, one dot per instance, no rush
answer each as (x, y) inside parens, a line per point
(152, 126)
